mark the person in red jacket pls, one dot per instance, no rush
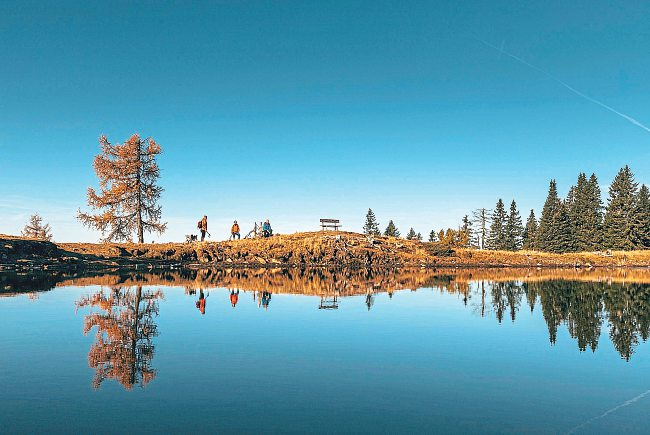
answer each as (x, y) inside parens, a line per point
(234, 231)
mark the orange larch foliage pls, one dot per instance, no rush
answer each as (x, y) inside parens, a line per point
(124, 347)
(127, 201)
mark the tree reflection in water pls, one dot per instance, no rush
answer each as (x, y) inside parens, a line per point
(125, 328)
(582, 307)
(579, 299)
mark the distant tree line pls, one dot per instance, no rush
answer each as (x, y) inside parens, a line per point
(579, 222)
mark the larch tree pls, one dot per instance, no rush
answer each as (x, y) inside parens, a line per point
(125, 328)
(127, 201)
(36, 229)
(530, 232)
(619, 214)
(391, 230)
(514, 228)
(497, 237)
(371, 227)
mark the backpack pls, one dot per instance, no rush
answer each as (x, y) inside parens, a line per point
(198, 225)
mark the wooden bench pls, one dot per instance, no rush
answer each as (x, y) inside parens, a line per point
(334, 224)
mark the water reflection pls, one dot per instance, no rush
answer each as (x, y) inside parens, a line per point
(123, 319)
(585, 302)
(200, 304)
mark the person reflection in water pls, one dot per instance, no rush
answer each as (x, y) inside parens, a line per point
(266, 298)
(200, 304)
(234, 297)
(370, 298)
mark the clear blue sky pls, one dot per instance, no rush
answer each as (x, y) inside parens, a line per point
(297, 110)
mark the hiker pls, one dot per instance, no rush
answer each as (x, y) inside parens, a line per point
(266, 229)
(234, 297)
(200, 304)
(234, 231)
(203, 227)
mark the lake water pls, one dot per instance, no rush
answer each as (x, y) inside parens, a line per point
(325, 351)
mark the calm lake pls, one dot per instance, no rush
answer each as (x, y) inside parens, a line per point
(487, 351)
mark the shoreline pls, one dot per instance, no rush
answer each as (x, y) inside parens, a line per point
(296, 251)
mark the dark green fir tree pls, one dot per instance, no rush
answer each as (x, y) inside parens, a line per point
(619, 214)
(546, 230)
(585, 210)
(497, 235)
(391, 230)
(563, 236)
(641, 219)
(411, 235)
(530, 232)
(371, 227)
(514, 229)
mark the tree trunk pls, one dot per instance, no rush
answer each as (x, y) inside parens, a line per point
(139, 198)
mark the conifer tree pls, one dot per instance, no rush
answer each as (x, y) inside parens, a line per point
(585, 211)
(433, 237)
(391, 230)
(371, 227)
(641, 219)
(441, 235)
(514, 228)
(418, 237)
(411, 235)
(530, 232)
(593, 221)
(546, 230)
(35, 229)
(128, 199)
(497, 235)
(563, 239)
(466, 232)
(621, 205)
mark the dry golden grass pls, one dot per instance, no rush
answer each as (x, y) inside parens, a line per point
(308, 249)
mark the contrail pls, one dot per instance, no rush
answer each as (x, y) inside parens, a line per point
(563, 83)
(606, 413)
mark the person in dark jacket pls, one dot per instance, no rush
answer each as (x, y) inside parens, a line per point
(266, 229)
(203, 227)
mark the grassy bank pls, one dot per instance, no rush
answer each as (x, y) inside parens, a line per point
(296, 250)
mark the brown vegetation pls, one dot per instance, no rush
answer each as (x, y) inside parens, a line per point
(315, 249)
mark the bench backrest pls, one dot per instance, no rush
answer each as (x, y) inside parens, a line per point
(330, 221)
